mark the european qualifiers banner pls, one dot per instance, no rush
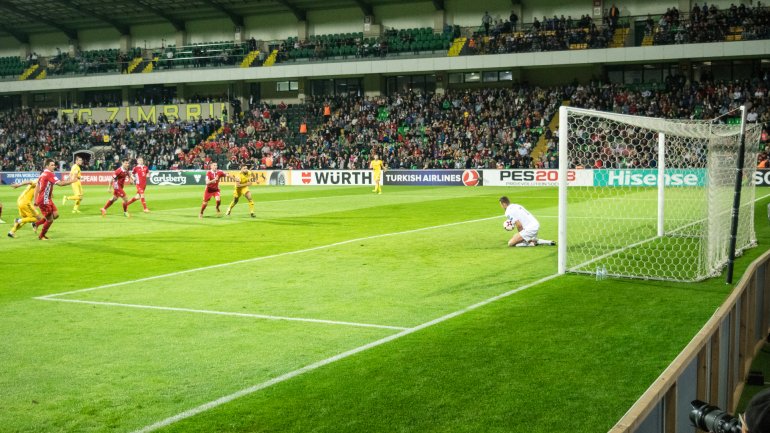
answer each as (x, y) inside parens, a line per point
(95, 177)
(12, 177)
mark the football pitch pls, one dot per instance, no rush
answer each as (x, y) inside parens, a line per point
(334, 310)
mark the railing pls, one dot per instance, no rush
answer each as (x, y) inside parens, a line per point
(713, 367)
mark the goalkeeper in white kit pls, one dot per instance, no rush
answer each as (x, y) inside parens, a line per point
(526, 224)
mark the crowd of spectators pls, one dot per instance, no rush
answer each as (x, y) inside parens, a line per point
(535, 39)
(709, 24)
(480, 128)
(29, 136)
(460, 129)
(495, 35)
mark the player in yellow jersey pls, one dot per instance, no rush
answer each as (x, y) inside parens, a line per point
(243, 180)
(27, 211)
(77, 188)
(378, 167)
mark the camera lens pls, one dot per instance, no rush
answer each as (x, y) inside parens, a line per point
(713, 419)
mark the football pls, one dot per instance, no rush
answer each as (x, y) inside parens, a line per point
(508, 225)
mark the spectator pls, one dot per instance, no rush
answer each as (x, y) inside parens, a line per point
(486, 20)
(614, 15)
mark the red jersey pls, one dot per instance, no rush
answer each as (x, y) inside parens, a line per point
(46, 181)
(119, 179)
(140, 174)
(214, 175)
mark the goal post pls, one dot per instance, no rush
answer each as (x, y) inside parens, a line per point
(660, 204)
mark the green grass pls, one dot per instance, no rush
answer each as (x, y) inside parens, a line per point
(569, 354)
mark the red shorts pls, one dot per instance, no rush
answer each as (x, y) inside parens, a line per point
(140, 189)
(118, 193)
(47, 209)
(208, 194)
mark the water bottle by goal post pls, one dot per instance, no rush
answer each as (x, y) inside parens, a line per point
(601, 272)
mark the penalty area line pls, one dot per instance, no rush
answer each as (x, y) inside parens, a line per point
(308, 368)
(226, 313)
(256, 259)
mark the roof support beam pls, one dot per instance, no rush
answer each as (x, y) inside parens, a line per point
(178, 24)
(20, 36)
(70, 33)
(301, 14)
(234, 17)
(122, 28)
(366, 8)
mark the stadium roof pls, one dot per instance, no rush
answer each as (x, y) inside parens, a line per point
(20, 18)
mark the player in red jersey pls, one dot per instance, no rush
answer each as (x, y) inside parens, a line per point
(140, 173)
(116, 186)
(212, 188)
(44, 197)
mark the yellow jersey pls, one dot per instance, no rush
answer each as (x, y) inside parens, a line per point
(26, 197)
(75, 173)
(376, 165)
(243, 178)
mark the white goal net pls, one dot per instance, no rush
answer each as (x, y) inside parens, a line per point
(660, 204)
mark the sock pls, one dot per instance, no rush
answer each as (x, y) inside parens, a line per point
(22, 221)
(109, 203)
(523, 244)
(77, 205)
(46, 226)
(125, 206)
(20, 224)
(1, 210)
(203, 207)
(232, 205)
(251, 206)
(219, 202)
(74, 198)
(545, 242)
(131, 201)
(144, 203)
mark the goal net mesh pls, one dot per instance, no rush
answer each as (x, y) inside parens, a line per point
(615, 225)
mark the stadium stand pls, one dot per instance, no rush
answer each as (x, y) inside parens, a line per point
(11, 66)
(703, 24)
(350, 45)
(709, 24)
(482, 128)
(550, 34)
(214, 54)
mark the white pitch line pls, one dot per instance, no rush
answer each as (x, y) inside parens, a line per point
(616, 218)
(227, 313)
(252, 389)
(256, 259)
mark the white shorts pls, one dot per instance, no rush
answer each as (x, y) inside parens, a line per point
(529, 234)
